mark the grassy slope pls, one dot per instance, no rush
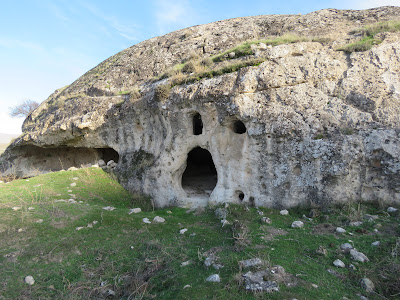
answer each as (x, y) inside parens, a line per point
(137, 260)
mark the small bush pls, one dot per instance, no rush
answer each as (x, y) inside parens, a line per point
(369, 33)
(363, 45)
(161, 92)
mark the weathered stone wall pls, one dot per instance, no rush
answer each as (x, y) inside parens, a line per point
(321, 126)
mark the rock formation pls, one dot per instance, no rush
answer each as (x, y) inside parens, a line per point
(286, 124)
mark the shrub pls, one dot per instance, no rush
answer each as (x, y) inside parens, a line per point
(161, 92)
(369, 33)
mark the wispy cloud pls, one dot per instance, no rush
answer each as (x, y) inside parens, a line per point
(174, 14)
(124, 29)
(15, 43)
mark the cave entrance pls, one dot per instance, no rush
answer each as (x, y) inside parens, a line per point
(200, 176)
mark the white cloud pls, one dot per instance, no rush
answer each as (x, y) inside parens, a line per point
(174, 14)
(364, 4)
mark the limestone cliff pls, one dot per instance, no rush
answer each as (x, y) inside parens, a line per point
(191, 119)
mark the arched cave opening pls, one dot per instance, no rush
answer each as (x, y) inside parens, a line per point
(108, 154)
(200, 176)
(197, 124)
(238, 127)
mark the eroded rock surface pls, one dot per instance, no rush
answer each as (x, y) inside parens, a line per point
(309, 125)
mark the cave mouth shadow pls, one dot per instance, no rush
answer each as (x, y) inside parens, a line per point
(200, 176)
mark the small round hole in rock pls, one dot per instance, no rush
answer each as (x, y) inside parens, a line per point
(240, 195)
(238, 127)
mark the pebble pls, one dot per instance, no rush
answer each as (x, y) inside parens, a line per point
(169, 212)
(224, 222)
(187, 286)
(110, 208)
(314, 285)
(371, 218)
(31, 208)
(185, 263)
(297, 224)
(73, 184)
(75, 178)
(266, 220)
(338, 263)
(29, 280)
(146, 220)
(60, 200)
(15, 208)
(69, 191)
(340, 230)
(72, 201)
(79, 228)
(39, 221)
(249, 263)
(158, 219)
(358, 256)
(284, 212)
(182, 231)
(356, 223)
(392, 210)
(346, 247)
(20, 230)
(367, 285)
(260, 213)
(376, 244)
(134, 210)
(213, 278)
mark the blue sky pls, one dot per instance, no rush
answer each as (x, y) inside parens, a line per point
(47, 44)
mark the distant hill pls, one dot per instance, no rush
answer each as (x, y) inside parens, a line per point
(6, 138)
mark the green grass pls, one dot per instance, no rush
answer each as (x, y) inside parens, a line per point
(244, 49)
(142, 261)
(369, 32)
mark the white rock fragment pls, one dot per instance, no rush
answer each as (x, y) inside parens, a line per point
(95, 222)
(340, 230)
(20, 230)
(182, 231)
(297, 224)
(356, 223)
(60, 200)
(266, 220)
(169, 212)
(158, 219)
(73, 169)
(109, 208)
(31, 208)
(39, 221)
(185, 263)
(314, 286)
(73, 184)
(187, 286)
(392, 210)
(213, 278)
(224, 222)
(249, 263)
(338, 263)
(72, 201)
(346, 247)
(134, 210)
(15, 208)
(146, 220)
(79, 228)
(376, 244)
(358, 256)
(69, 191)
(75, 178)
(367, 285)
(29, 280)
(284, 212)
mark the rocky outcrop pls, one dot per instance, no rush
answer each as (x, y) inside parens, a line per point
(305, 125)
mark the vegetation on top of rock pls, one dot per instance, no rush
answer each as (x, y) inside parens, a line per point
(368, 34)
